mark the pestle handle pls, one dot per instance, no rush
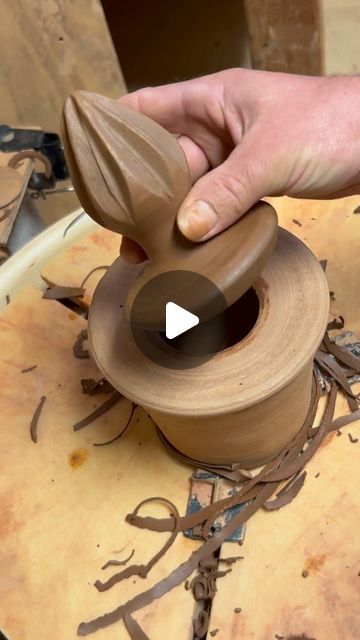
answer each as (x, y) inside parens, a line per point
(129, 173)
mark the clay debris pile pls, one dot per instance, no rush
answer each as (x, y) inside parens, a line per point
(334, 369)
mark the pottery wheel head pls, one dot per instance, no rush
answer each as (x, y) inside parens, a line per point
(131, 176)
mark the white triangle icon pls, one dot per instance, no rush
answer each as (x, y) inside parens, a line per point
(178, 320)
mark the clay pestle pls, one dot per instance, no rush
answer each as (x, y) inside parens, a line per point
(131, 175)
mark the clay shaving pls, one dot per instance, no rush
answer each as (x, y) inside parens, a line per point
(78, 348)
(118, 563)
(61, 293)
(92, 387)
(106, 406)
(341, 354)
(329, 365)
(100, 268)
(35, 420)
(134, 629)
(35, 155)
(29, 369)
(336, 323)
(231, 471)
(287, 496)
(201, 624)
(180, 574)
(125, 428)
(302, 637)
(142, 570)
(345, 420)
(255, 491)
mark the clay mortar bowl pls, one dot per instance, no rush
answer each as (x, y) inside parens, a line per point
(248, 401)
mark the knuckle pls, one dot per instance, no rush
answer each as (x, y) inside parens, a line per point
(144, 97)
(230, 188)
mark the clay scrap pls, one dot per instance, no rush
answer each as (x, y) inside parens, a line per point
(92, 387)
(122, 432)
(103, 408)
(78, 348)
(35, 420)
(61, 293)
(289, 464)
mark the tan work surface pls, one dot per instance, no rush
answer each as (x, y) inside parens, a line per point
(317, 533)
(72, 265)
(63, 501)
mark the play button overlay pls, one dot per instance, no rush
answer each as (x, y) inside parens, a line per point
(179, 320)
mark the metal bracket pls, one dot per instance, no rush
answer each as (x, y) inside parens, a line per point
(49, 144)
(350, 342)
(205, 489)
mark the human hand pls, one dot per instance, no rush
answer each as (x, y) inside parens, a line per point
(250, 134)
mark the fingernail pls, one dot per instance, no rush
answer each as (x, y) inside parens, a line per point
(197, 219)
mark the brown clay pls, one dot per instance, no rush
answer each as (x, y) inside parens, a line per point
(34, 155)
(11, 181)
(289, 462)
(248, 401)
(131, 176)
(245, 403)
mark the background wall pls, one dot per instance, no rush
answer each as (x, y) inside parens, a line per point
(51, 47)
(159, 42)
(341, 19)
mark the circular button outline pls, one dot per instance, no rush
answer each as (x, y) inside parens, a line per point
(194, 347)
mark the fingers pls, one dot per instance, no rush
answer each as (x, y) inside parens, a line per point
(195, 157)
(131, 251)
(162, 104)
(223, 195)
(219, 197)
(175, 105)
(179, 108)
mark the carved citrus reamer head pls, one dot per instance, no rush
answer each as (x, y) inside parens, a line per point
(131, 176)
(129, 173)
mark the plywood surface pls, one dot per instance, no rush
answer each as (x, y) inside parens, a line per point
(56, 514)
(62, 500)
(332, 231)
(316, 532)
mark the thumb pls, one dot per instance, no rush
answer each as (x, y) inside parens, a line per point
(224, 194)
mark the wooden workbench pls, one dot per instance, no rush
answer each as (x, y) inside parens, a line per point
(63, 501)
